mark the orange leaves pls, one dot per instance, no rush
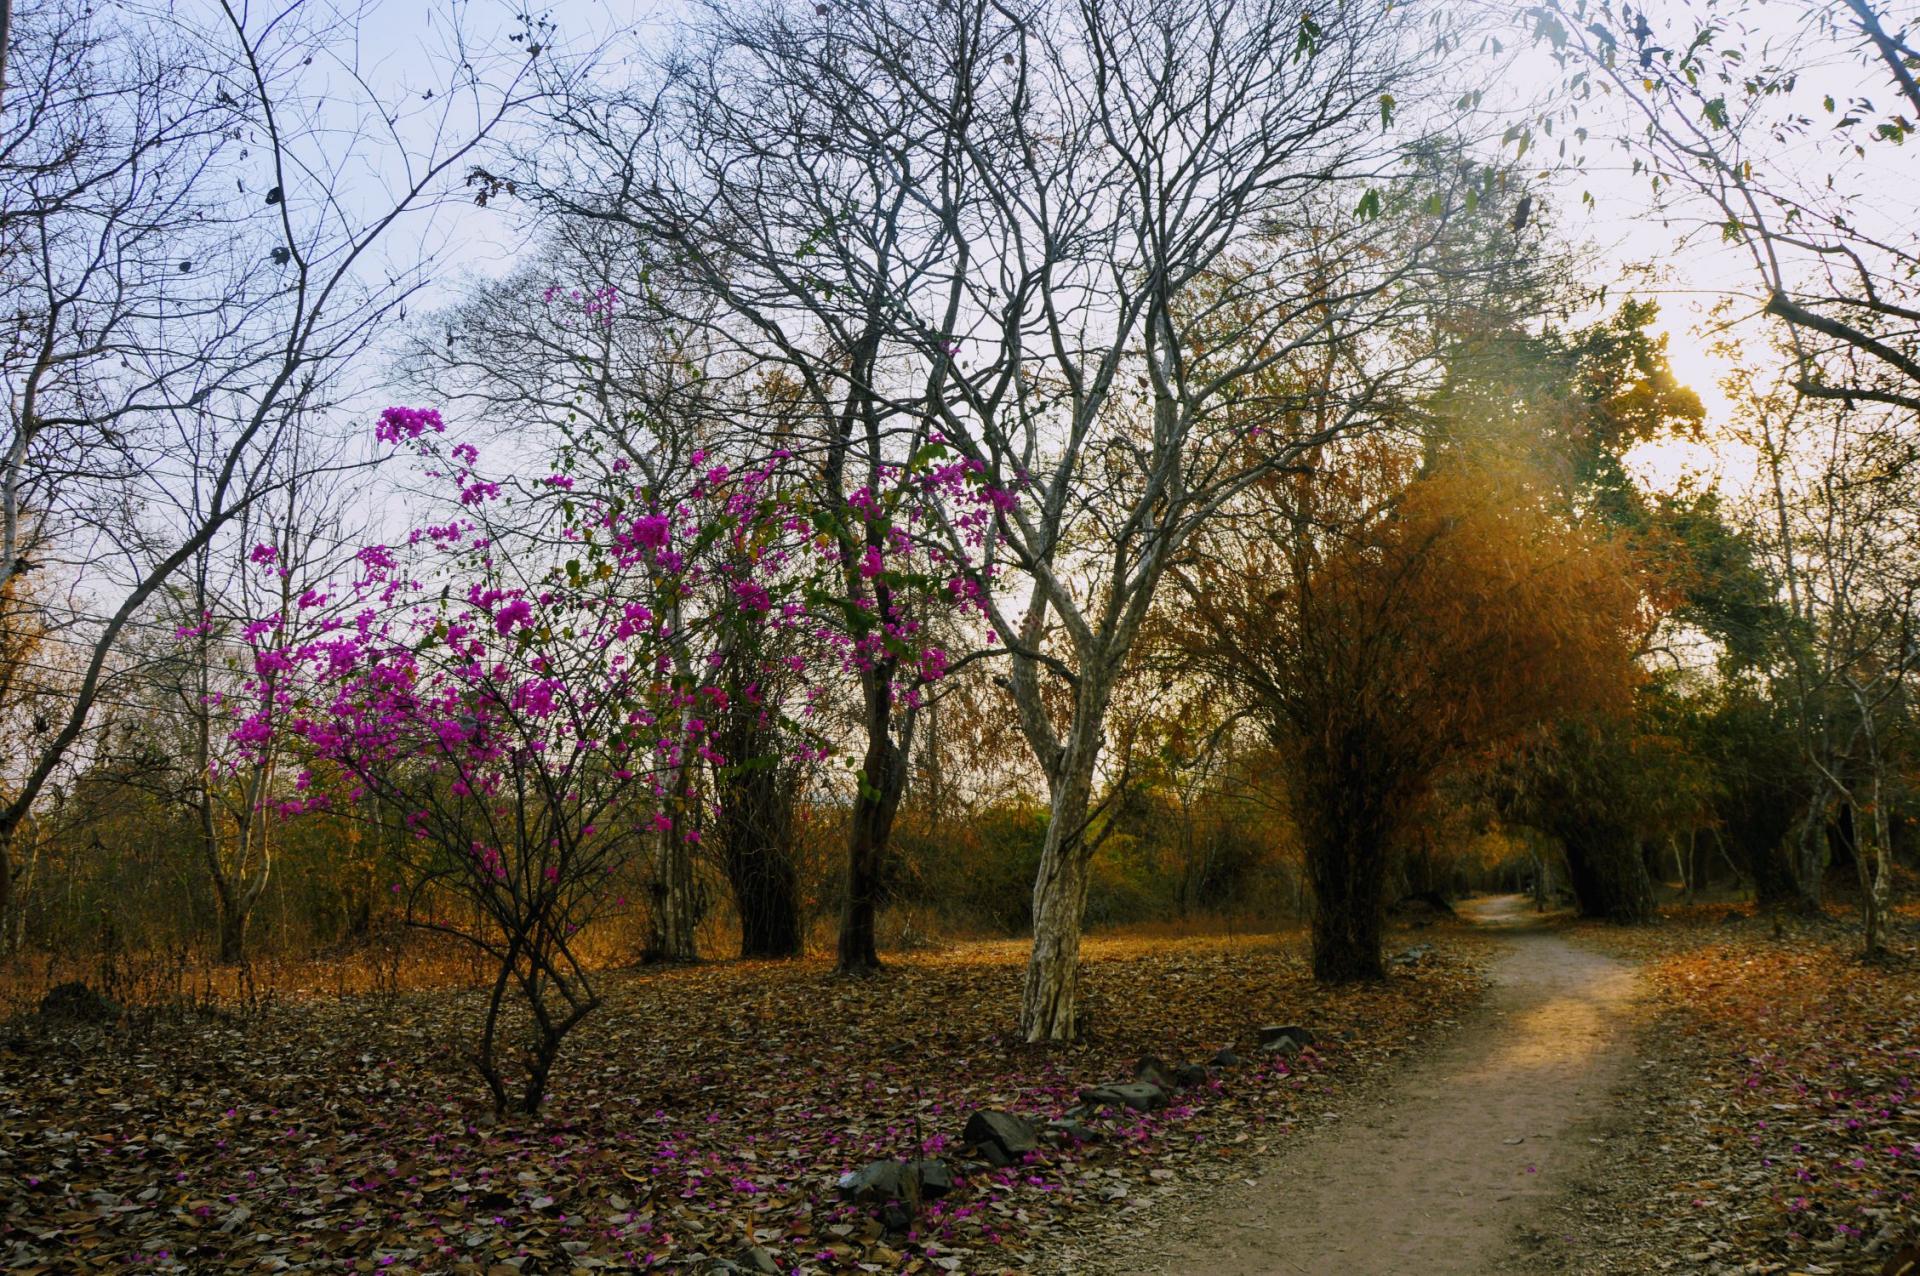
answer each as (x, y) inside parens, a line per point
(1435, 617)
(1779, 1098)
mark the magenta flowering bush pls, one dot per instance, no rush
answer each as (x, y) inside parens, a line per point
(517, 720)
(524, 695)
(882, 606)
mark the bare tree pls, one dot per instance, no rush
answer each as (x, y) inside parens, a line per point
(1778, 128)
(1836, 529)
(272, 568)
(191, 238)
(1063, 240)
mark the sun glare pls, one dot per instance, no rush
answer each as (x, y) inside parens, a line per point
(1714, 460)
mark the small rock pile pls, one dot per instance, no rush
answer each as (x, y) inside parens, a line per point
(895, 1189)
(76, 1003)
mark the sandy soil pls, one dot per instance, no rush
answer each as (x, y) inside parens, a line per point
(1445, 1172)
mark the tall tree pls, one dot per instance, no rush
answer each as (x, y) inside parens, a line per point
(1387, 628)
(1836, 533)
(1063, 239)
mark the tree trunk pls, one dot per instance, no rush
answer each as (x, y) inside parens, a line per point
(7, 932)
(868, 834)
(1775, 883)
(1681, 865)
(1843, 844)
(1755, 834)
(754, 799)
(672, 890)
(233, 931)
(883, 780)
(1874, 867)
(675, 912)
(756, 843)
(1609, 877)
(768, 898)
(230, 918)
(1048, 1003)
(1809, 856)
(1346, 939)
(1347, 856)
(1873, 899)
(858, 951)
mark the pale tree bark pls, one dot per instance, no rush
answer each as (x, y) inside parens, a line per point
(6, 40)
(1873, 866)
(673, 891)
(1810, 852)
(1872, 852)
(1050, 996)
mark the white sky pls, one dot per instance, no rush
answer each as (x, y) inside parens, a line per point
(1622, 225)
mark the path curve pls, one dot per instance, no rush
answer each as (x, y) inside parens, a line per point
(1437, 1174)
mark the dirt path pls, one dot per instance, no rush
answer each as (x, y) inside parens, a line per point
(1435, 1177)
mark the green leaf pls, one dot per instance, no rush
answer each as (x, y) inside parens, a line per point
(929, 452)
(1369, 206)
(1703, 40)
(1386, 110)
(1547, 24)
(1308, 42)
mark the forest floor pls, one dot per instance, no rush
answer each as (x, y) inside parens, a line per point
(1708, 1095)
(1772, 1122)
(1437, 1171)
(698, 1110)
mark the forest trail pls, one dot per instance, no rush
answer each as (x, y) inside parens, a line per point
(1435, 1175)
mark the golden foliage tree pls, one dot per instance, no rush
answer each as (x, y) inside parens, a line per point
(1387, 625)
